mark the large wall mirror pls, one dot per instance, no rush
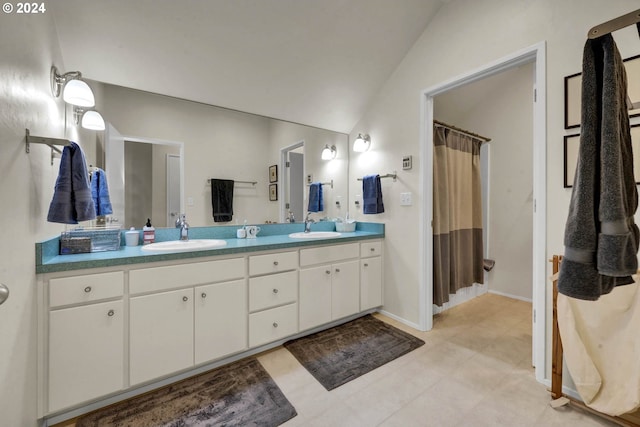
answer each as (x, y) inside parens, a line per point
(206, 142)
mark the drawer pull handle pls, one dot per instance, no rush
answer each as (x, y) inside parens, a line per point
(275, 262)
(337, 270)
(110, 313)
(204, 295)
(185, 299)
(275, 291)
(87, 289)
(372, 249)
(366, 265)
(275, 325)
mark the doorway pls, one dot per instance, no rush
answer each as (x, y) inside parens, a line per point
(292, 189)
(535, 55)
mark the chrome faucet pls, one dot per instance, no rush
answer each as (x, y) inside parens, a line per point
(307, 223)
(182, 224)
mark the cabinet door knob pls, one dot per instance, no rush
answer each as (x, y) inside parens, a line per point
(372, 249)
(366, 265)
(275, 262)
(328, 271)
(87, 289)
(275, 325)
(185, 299)
(275, 291)
(204, 295)
(110, 313)
(337, 270)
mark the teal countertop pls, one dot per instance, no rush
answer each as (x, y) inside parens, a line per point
(271, 236)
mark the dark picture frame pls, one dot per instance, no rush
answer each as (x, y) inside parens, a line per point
(572, 144)
(273, 192)
(273, 173)
(573, 92)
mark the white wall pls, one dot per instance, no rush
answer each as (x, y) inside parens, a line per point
(455, 43)
(29, 47)
(500, 107)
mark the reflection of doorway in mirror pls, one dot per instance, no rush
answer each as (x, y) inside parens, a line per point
(292, 192)
(173, 189)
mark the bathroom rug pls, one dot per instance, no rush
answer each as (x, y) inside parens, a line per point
(338, 355)
(239, 394)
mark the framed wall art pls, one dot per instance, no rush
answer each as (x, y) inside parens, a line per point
(573, 93)
(273, 192)
(572, 143)
(273, 173)
(572, 98)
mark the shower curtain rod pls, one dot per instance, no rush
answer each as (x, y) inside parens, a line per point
(615, 24)
(457, 129)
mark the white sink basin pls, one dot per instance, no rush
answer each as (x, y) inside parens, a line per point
(315, 235)
(183, 245)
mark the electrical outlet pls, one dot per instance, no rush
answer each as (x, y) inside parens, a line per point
(190, 201)
(405, 199)
(309, 178)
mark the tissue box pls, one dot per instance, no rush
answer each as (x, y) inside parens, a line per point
(345, 227)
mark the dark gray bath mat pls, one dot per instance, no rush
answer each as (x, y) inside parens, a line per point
(239, 394)
(341, 354)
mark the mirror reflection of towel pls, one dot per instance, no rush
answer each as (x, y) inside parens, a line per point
(316, 202)
(100, 193)
(222, 199)
(72, 200)
(372, 195)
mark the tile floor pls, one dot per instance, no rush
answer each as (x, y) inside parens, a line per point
(474, 370)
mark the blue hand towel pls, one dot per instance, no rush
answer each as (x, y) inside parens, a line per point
(72, 200)
(372, 195)
(316, 202)
(100, 193)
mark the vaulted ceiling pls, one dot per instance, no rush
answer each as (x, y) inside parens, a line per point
(315, 62)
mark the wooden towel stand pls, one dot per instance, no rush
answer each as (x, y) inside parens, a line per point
(560, 399)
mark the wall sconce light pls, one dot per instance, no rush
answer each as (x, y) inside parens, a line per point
(362, 143)
(75, 91)
(329, 153)
(91, 119)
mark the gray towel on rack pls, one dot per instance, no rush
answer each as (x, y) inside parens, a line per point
(222, 199)
(601, 238)
(72, 201)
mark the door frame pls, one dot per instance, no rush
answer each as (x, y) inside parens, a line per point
(284, 181)
(535, 54)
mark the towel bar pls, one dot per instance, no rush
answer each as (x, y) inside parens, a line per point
(393, 175)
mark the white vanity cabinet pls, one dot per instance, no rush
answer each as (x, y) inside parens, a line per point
(220, 320)
(329, 284)
(163, 317)
(113, 331)
(86, 338)
(273, 297)
(370, 274)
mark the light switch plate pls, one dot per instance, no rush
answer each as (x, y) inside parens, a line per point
(405, 199)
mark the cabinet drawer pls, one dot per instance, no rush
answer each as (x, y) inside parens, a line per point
(172, 276)
(87, 288)
(372, 248)
(273, 263)
(326, 254)
(273, 290)
(270, 325)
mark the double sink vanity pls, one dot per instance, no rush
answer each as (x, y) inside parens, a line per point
(116, 324)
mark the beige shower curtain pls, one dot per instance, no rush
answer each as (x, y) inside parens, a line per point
(457, 213)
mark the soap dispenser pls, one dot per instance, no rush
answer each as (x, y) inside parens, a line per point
(148, 233)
